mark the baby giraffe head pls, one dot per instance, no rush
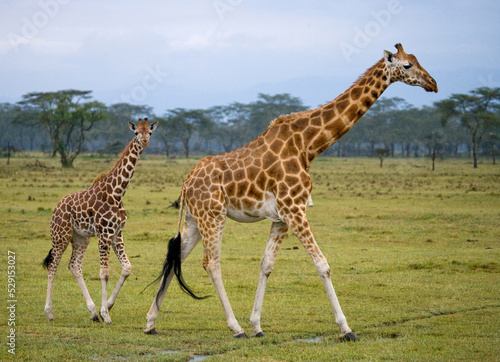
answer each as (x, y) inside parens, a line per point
(143, 131)
(406, 68)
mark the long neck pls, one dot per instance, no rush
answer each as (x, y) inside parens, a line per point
(336, 118)
(120, 175)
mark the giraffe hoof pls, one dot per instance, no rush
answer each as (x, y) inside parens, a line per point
(241, 335)
(349, 337)
(105, 320)
(49, 314)
(151, 331)
(260, 334)
(95, 319)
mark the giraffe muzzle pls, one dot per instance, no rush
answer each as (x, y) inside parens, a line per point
(431, 86)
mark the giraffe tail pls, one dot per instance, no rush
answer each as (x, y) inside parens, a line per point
(173, 262)
(48, 259)
(173, 258)
(181, 208)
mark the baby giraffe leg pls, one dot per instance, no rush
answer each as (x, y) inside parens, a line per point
(119, 249)
(79, 245)
(104, 244)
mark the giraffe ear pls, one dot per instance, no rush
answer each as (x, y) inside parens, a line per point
(132, 126)
(389, 57)
(153, 126)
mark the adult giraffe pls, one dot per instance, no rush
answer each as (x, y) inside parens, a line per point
(96, 211)
(268, 179)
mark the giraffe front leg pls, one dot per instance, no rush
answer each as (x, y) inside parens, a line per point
(119, 249)
(278, 232)
(300, 226)
(104, 244)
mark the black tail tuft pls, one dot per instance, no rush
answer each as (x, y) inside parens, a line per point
(48, 259)
(173, 260)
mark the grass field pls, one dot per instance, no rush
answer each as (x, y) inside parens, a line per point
(414, 257)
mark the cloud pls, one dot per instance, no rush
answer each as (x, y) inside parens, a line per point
(110, 45)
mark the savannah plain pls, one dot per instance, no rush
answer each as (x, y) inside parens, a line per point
(414, 255)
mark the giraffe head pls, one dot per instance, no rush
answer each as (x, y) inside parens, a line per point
(406, 68)
(143, 131)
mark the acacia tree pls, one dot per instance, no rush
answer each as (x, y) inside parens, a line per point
(382, 153)
(20, 128)
(67, 119)
(204, 126)
(491, 143)
(181, 122)
(475, 111)
(434, 143)
(231, 126)
(166, 132)
(7, 119)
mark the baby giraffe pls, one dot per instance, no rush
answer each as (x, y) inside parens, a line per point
(96, 211)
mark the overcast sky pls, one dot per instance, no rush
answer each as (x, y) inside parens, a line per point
(195, 54)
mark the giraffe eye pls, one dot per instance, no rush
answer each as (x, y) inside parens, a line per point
(407, 66)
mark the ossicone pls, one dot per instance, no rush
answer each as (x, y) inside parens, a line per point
(400, 49)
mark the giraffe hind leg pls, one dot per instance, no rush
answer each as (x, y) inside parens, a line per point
(189, 239)
(166, 276)
(212, 238)
(48, 263)
(276, 236)
(79, 245)
(213, 269)
(48, 303)
(48, 259)
(51, 262)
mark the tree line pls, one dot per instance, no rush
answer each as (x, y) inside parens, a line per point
(67, 123)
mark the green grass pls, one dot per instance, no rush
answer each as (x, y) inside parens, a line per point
(414, 257)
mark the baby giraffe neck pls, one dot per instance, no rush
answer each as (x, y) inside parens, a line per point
(124, 169)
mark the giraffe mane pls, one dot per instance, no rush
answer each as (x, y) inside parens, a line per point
(284, 118)
(369, 71)
(293, 116)
(104, 175)
(100, 177)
